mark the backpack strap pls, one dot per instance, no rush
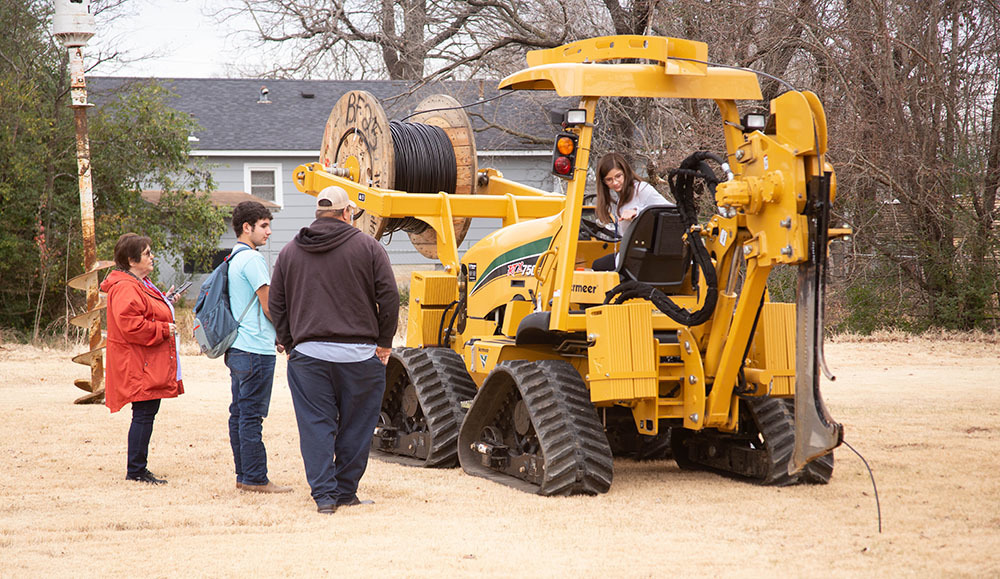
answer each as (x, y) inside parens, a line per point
(247, 309)
(240, 247)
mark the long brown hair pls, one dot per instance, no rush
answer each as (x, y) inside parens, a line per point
(604, 166)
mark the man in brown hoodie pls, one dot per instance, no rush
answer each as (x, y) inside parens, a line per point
(334, 303)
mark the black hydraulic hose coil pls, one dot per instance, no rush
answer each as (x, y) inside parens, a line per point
(424, 163)
(682, 185)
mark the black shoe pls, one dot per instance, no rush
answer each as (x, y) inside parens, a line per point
(147, 477)
(356, 501)
(326, 509)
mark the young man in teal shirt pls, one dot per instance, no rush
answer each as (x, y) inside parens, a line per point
(251, 357)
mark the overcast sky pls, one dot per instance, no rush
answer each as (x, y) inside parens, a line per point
(181, 34)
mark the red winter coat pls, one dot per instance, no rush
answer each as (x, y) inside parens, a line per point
(142, 354)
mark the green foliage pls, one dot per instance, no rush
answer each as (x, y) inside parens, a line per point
(868, 308)
(137, 142)
(782, 284)
(183, 222)
(32, 239)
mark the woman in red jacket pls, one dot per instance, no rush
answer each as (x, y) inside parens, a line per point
(142, 348)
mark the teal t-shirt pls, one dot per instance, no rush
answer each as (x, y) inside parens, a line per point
(247, 273)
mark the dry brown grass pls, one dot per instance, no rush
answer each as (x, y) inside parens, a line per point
(925, 412)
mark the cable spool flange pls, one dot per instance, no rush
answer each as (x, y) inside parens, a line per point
(358, 136)
(443, 111)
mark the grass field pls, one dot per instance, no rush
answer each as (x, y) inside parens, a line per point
(924, 412)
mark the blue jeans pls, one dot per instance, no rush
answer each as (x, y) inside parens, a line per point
(252, 376)
(336, 408)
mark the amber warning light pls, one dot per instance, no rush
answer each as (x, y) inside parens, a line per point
(564, 155)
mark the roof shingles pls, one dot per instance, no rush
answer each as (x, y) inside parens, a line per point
(232, 118)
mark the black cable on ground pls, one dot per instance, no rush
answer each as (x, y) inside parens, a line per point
(878, 505)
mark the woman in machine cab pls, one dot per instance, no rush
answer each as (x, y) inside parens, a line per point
(620, 197)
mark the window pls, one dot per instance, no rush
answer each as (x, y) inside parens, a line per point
(263, 181)
(262, 184)
(190, 266)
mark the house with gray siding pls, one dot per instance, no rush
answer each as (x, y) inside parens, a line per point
(254, 133)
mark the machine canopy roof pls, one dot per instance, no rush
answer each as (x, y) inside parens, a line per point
(675, 69)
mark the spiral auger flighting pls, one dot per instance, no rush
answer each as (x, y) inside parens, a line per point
(532, 427)
(91, 321)
(422, 407)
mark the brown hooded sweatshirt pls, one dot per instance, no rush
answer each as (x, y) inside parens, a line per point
(333, 283)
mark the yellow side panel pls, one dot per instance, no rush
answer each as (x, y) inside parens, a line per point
(515, 312)
(433, 288)
(430, 294)
(422, 326)
(589, 287)
(622, 362)
(773, 352)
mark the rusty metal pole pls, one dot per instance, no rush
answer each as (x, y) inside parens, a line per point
(89, 280)
(78, 87)
(73, 25)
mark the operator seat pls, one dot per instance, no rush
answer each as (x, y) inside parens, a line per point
(654, 250)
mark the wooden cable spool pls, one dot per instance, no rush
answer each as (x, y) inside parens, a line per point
(358, 137)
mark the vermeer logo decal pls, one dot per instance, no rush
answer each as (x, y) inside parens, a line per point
(519, 261)
(587, 289)
(521, 268)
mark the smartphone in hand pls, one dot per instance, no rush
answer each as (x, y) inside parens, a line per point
(178, 291)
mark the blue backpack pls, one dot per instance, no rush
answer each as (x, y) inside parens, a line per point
(215, 328)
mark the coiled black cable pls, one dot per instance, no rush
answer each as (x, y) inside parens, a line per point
(424, 163)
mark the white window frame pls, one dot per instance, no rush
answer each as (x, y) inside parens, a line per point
(279, 197)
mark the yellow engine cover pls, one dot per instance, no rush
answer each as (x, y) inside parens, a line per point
(771, 367)
(430, 294)
(622, 361)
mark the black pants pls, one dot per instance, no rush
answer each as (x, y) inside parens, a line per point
(605, 263)
(336, 408)
(143, 414)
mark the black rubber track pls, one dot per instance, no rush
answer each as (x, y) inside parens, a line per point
(442, 384)
(626, 442)
(760, 451)
(818, 471)
(777, 427)
(574, 449)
